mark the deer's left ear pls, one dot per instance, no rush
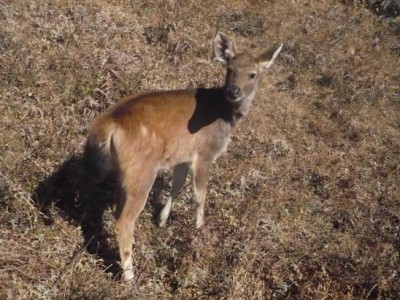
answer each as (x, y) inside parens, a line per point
(266, 59)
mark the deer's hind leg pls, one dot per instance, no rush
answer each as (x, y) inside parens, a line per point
(132, 193)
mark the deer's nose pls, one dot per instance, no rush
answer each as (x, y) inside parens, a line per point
(233, 92)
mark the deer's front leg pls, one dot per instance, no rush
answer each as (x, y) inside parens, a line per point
(200, 168)
(179, 178)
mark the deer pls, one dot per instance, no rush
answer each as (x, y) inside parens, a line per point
(180, 129)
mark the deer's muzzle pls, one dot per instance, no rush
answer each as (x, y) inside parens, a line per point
(233, 93)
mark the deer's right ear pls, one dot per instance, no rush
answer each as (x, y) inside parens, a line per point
(223, 47)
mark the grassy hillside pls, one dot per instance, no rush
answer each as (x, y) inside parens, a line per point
(304, 205)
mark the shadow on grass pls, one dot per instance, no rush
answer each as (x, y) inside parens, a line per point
(84, 202)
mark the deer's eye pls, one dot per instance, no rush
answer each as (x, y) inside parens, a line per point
(252, 75)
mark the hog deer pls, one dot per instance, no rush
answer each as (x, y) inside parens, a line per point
(184, 129)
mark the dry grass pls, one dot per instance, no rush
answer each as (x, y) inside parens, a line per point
(304, 205)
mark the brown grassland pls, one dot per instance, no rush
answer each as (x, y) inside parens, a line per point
(305, 204)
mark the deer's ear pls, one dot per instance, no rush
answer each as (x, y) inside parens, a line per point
(223, 47)
(267, 59)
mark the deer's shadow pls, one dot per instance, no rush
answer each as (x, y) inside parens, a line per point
(83, 202)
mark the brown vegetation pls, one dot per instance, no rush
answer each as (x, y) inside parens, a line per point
(305, 203)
